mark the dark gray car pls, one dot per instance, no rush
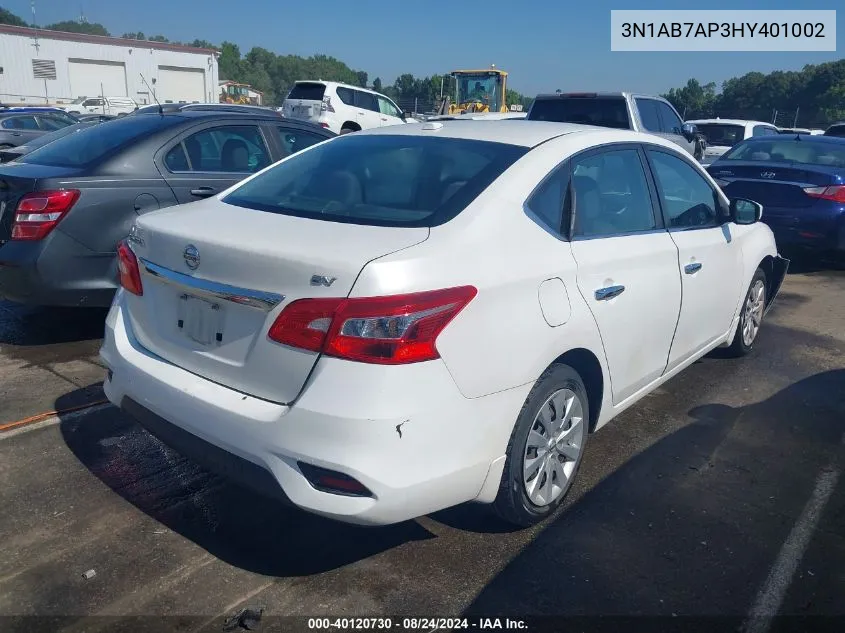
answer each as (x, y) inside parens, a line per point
(65, 206)
(21, 127)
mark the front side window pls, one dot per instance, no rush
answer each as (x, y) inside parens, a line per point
(387, 107)
(610, 194)
(687, 198)
(90, 103)
(230, 149)
(648, 114)
(671, 122)
(51, 123)
(394, 180)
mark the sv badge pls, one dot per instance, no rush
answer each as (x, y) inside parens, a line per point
(322, 280)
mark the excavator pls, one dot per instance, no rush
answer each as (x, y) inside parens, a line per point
(235, 93)
(481, 91)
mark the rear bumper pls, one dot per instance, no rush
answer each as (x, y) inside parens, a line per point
(406, 433)
(57, 271)
(820, 234)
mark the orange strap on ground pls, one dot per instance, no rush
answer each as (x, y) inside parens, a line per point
(48, 414)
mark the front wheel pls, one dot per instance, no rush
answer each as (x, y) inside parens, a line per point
(751, 315)
(545, 449)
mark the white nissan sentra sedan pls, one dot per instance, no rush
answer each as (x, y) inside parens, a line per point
(407, 318)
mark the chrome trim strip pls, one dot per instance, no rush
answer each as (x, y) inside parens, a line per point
(212, 290)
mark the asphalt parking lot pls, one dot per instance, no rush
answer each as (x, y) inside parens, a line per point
(718, 495)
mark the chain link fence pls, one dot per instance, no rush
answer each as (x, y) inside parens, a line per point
(780, 118)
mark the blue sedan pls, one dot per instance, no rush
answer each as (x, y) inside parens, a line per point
(799, 180)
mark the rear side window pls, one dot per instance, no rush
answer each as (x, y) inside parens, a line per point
(602, 111)
(346, 95)
(763, 130)
(98, 141)
(229, 149)
(611, 194)
(51, 123)
(20, 123)
(293, 141)
(721, 134)
(648, 114)
(366, 100)
(548, 201)
(391, 180)
(780, 149)
(308, 91)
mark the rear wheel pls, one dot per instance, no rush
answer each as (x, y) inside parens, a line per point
(545, 449)
(751, 315)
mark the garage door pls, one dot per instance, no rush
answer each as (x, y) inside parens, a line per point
(175, 85)
(93, 78)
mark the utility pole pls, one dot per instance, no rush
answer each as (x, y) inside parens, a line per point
(795, 122)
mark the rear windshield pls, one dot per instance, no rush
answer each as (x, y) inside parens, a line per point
(721, 134)
(307, 91)
(601, 111)
(786, 150)
(835, 130)
(94, 143)
(379, 180)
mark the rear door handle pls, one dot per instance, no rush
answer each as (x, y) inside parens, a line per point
(202, 192)
(603, 294)
(692, 268)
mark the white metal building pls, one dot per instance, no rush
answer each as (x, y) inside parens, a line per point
(38, 66)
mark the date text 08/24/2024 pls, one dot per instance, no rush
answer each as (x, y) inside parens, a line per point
(415, 624)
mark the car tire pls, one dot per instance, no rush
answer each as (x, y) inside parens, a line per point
(347, 130)
(753, 308)
(524, 498)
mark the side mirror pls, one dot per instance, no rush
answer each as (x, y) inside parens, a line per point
(746, 211)
(406, 115)
(689, 131)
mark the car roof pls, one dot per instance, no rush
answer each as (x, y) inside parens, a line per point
(338, 83)
(729, 122)
(510, 131)
(271, 116)
(814, 137)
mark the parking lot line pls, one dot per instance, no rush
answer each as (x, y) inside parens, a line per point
(771, 594)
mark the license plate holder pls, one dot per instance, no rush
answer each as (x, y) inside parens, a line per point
(200, 320)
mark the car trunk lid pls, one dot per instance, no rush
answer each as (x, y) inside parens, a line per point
(215, 277)
(779, 185)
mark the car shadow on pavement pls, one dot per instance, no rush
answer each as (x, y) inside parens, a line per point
(237, 526)
(692, 525)
(29, 326)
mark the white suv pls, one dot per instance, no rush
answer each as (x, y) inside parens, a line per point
(340, 108)
(722, 134)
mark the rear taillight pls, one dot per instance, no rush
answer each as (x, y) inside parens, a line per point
(390, 330)
(127, 266)
(39, 212)
(835, 193)
(327, 105)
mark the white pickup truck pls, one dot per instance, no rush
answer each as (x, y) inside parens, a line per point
(621, 110)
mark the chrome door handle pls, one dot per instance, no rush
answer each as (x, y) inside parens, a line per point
(603, 294)
(692, 268)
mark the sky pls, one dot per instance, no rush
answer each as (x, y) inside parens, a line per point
(544, 46)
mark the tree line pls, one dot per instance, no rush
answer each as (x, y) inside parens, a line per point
(816, 93)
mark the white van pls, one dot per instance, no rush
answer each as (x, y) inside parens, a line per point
(340, 108)
(114, 106)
